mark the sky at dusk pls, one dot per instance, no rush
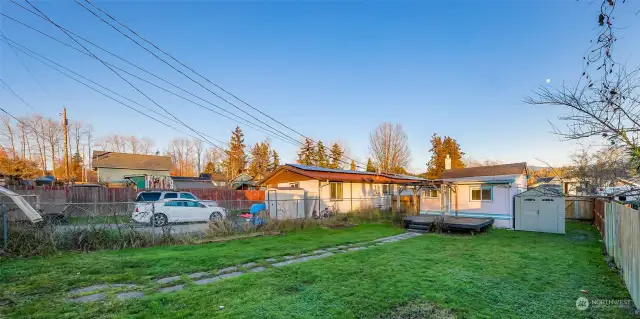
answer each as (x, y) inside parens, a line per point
(330, 70)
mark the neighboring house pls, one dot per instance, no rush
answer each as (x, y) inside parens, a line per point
(244, 181)
(485, 191)
(192, 182)
(217, 179)
(145, 171)
(547, 182)
(315, 188)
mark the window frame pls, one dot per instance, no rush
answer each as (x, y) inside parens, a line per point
(387, 189)
(141, 197)
(428, 193)
(331, 197)
(168, 193)
(294, 184)
(480, 188)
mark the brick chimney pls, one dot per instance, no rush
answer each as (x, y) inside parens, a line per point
(447, 162)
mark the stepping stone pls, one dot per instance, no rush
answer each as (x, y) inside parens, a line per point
(89, 298)
(293, 261)
(198, 275)
(172, 288)
(130, 295)
(228, 269)
(248, 265)
(355, 248)
(88, 289)
(124, 285)
(340, 251)
(341, 247)
(206, 280)
(319, 251)
(231, 275)
(258, 269)
(303, 255)
(332, 249)
(168, 280)
(271, 260)
(288, 257)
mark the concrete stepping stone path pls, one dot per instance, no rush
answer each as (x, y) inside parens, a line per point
(228, 272)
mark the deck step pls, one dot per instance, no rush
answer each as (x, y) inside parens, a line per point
(420, 227)
(421, 231)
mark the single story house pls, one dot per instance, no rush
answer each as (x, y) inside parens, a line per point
(145, 171)
(244, 181)
(485, 191)
(311, 188)
(553, 181)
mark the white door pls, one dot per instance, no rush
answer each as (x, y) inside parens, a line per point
(548, 217)
(529, 215)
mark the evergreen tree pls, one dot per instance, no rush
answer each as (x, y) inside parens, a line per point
(370, 167)
(353, 165)
(236, 159)
(260, 159)
(321, 155)
(306, 154)
(209, 168)
(439, 149)
(336, 156)
(275, 161)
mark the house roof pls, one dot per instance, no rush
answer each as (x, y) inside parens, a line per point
(493, 170)
(102, 159)
(544, 180)
(321, 173)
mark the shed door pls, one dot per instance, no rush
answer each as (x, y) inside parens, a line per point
(529, 214)
(548, 217)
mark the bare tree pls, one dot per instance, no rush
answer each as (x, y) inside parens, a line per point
(610, 110)
(197, 144)
(389, 147)
(144, 145)
(181, 151)
(8, 133)
(88, 134)
(471, 162)
(598, 169)
(53, 134)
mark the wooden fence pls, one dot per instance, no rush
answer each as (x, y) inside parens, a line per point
(579, 208)
(101, 194)
(621, 234)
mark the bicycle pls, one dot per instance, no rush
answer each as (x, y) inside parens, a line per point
(325, 213)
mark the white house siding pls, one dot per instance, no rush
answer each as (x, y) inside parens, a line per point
(118, 174)
(500, 207)
(355, 196)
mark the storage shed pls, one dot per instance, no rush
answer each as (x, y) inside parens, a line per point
(540, 209)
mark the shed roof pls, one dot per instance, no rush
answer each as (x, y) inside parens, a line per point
(321, 173)
(102, 159)
(542, 192)
(493, 170)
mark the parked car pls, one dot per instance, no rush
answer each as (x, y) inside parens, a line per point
(176, 211)
(154, 196)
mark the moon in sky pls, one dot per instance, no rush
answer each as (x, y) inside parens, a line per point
(548, 81)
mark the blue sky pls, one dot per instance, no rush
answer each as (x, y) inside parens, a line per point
(333, 71)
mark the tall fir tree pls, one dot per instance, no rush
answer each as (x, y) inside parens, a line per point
(236, 159)
(439, 149)
(275, 161)
(336, 156)
(306, 154)
(353, 165)
(370, 166)
(209, 168)
(321, 158)
(260, 159)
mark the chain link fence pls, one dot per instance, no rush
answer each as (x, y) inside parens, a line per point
(115, 225)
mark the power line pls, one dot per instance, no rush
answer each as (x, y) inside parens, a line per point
(179, 71)
(26, 67)
(284, 138)
(31, 54)
(131, 74)
(110, 97)
(8, 88)
(116, 72)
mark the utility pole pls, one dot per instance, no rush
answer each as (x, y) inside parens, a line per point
(84, 178)
(66, 142)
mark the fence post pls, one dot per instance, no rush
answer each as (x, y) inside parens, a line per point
(5, 233)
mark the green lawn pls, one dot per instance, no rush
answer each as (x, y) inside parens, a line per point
(500, 274)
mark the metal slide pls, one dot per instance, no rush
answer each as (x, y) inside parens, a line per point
(25, 208)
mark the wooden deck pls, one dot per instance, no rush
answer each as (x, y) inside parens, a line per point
(423, 222)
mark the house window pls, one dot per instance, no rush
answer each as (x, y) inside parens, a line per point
(483, 193)
(387, 189)
(431, 193)
(336, 190)
(294, 185)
